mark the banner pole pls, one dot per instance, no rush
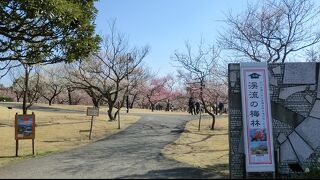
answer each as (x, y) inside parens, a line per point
(17, 147)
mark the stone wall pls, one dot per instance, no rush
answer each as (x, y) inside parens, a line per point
(295, 106)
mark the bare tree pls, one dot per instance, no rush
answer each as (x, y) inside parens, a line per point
(53, 84)
(96, 97)
(27, 83)
(272, 31)
(72, 85)
(138, 78)
(72, 96)
(313, 54)
(17, 89)
(198, 69)
(105, 72)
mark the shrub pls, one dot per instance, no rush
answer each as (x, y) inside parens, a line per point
(6, 99)
(309, 173)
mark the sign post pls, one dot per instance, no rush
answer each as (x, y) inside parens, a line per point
(92, 111)
(24, 129)
(119, 114)
(91, 127)
(199, 119)
(257, 120)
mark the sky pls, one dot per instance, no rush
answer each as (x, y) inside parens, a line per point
(165, 25)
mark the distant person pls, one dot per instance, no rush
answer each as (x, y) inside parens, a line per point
(220, 107)
(168, 106)
(191, 106)
(197, 104)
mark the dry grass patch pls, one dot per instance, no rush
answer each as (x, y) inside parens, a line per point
(205, 148)
(55, 132)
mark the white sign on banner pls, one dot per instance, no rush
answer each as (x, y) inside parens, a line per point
(257, 120)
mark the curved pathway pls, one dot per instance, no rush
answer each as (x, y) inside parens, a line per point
(133, 153)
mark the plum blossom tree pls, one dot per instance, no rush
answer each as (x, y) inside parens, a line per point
(26, 82)
(159, 89)
(198, 70)
(52, 84)
(105, 73)
(137, 84)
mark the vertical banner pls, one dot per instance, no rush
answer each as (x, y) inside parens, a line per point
(257, 120)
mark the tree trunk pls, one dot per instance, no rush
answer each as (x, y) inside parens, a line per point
(50, 102)
(96, 103)
(152, 107)
(110, 106)
(213, 122)
(25, 92)
(111, 118)
(133, 100)
(206, 109)
(116, 114)
(69, 96)
(216, 105)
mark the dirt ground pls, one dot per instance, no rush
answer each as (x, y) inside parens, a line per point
(205, 148)
(55, 131)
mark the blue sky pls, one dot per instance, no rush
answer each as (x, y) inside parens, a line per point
(165, 25)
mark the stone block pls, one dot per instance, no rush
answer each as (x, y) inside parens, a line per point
(287, 153)
(288, 117)
(302, 149)
(277, 70)
(286, 92)
(309, 131)
(241, 145)
(233, 76)
(270, 92)
(235, 91)
(318, 88)
(273, 80)
(299, 73)
(308, 98)
(234, 66)
(281, 138)
(312, 87)
(315, 111)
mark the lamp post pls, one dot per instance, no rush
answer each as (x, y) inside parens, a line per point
(127, 63)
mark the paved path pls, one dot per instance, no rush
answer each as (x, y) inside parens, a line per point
(132, 153)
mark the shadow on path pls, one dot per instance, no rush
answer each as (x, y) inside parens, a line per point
(175, 173)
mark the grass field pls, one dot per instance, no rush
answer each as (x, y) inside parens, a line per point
(55, 132)
(205, 148)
